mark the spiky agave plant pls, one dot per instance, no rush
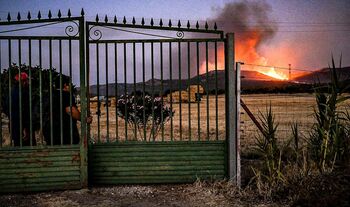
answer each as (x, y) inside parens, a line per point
(266, 145)
(328, 133)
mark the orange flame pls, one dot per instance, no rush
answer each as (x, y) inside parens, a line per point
(272, 73)
(246, 51)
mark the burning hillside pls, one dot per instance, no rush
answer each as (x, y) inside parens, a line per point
(253, 26)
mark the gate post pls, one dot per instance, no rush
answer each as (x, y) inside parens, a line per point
(231, 109)
(83, 105)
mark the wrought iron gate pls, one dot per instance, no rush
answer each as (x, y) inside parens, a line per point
(158, 99)
(163, 101)
(31, 61)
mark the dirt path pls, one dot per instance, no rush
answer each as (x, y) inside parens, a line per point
(192, 195)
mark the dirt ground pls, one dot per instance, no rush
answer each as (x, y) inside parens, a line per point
(192, 195)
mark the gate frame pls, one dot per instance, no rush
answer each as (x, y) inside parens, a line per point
(232, 81)
(44, 152)
(232, 85)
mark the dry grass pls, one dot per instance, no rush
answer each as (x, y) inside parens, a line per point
(288, 108)
(188, 116)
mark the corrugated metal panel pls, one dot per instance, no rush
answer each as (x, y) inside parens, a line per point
(156, 162)
(26, 169)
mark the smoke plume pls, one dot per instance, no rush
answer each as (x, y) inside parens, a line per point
(253, 26)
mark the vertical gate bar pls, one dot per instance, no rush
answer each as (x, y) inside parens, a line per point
(61, 88)
(230, 104)
(87, 78)
(135, 98)
(84, 110)
(51, 102)
(207, 85)
(238, 127)
(107, 101)
(10, 86)
(0, 100)
(198, 94)
(125, 98)
(161, 89)
(41, 90)
(30, 93)
(171, 91)
(116, 89)
(98, 92)
(70, 91)
(152, 74)
(216, 92)
(20, 94)
(143, 92)
(189, 88)
(180, 89)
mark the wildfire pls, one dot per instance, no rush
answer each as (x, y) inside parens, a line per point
(272, 73)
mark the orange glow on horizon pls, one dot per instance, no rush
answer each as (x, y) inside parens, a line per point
(272, 73)
(246, 52)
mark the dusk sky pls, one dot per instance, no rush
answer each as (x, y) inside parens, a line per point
(305, 33)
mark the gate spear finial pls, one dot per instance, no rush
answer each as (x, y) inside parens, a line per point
(69, 13)
(115, 19)
(18, 16)
(133, 21)
(161, 23)
(143, 21)
(124, 20)
(188, 24)
(39, 15)
(82, 13)
(59, 14)
(97, 19)
(179, 24)
(29, 16)
(106, 19)
(8, 17)
(169, 23)
(49, 15)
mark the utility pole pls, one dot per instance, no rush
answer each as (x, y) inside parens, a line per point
(290, 72)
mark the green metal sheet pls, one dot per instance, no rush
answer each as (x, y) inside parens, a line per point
(26, 170)
(153, 179)
(156, 162)
(117, 163)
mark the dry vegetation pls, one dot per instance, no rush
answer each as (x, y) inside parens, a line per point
(288, 109)
(185, 114)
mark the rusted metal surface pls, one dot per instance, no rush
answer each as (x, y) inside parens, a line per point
(28, 170)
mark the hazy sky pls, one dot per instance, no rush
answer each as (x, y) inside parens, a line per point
(308, 31)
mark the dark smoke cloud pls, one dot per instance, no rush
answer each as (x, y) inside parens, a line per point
(248, 17)
(253, 26)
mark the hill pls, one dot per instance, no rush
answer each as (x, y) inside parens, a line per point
(250, 79)
(323, 76)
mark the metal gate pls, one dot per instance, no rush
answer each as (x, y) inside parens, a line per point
(163, 101)
(160, 101)
(35, 57)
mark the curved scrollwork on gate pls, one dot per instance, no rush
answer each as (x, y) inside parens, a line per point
(180, 34)
(72, 30)
(94, 33)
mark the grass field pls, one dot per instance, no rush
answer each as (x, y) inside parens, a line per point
(287, 108)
